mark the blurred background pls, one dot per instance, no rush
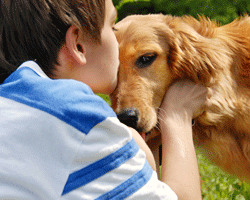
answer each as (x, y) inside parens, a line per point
(215, 184)
(223, 11)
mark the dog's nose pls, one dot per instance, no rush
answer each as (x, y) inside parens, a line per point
(129, 117)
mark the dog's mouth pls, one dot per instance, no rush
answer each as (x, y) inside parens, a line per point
(130, 117)
(143, 135)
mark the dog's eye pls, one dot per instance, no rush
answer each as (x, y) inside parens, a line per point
(146, 60)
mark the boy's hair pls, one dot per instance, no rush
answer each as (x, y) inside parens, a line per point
(36, 29)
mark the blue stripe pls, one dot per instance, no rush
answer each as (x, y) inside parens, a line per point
(101, 167)
(131, 185)
(70, 101)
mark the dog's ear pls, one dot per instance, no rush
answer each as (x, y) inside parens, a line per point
(194, 53)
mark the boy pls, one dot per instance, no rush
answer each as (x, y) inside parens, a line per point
(60, 141)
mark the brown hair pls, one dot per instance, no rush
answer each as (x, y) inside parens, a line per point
(36, 29)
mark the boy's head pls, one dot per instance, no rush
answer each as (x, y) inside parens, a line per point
(95, 64)
(36, 30)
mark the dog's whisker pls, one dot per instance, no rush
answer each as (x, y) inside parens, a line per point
(159, 117)
(160, 114)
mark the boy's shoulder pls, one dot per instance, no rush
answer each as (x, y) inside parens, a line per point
(69, 100)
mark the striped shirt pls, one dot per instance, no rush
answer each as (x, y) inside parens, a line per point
(58, 140)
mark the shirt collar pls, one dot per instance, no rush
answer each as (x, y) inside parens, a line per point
(34, 66)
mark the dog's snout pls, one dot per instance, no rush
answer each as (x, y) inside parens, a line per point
(129, 117)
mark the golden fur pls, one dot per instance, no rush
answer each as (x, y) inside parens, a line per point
(204, 52)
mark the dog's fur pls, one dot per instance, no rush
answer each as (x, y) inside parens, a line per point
(202, 51)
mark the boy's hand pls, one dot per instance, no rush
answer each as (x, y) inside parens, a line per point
(183, 101)
(184, 97)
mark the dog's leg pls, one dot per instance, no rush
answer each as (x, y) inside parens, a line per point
(154, 145)
(225, 151)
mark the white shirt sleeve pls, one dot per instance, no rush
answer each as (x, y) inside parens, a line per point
(110, 165)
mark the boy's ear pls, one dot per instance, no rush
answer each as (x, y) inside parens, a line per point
(75, 45)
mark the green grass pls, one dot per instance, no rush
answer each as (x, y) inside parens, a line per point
(105, 97)
(217, 185)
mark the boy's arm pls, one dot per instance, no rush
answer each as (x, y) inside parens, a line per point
(144, 147)
(179, 162)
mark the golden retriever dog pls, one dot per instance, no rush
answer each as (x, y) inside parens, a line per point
(157, 50)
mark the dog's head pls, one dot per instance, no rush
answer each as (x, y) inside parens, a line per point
(155, 51)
